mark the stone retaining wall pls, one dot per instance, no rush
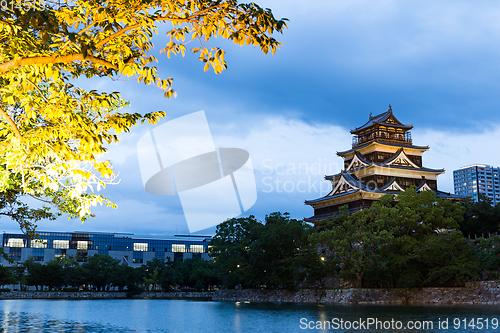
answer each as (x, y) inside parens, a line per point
(101, 295)
(473, 293)
(487, 292)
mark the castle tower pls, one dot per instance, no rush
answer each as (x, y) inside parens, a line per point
(382, 160)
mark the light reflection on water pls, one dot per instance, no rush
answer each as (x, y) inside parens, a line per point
(193, 316)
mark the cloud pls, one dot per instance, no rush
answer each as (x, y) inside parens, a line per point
(453, 150)
(290, 159)
(435, 62)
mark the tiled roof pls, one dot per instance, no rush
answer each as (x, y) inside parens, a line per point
(307, 202)
(340, 153)
(399, 167)
(380, 119)
(448, 195)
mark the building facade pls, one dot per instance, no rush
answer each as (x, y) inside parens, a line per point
(130, 250)
(383, 160)
(474, 179)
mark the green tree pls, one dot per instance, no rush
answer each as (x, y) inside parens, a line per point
(480, 218)
(52, 131)
(6, 276)
(408, 243)
(488, 251)
(19, 271)
(26, 217)
(200, 274)
(282, 252)
(73, 272)
(152, 271)
(355, 240)
(170, 277)
(53, 274)
(426, 240)
(448, 257)
(99, 270)
(277, 253)
(34, 274)
(231, 248)
(125, 276)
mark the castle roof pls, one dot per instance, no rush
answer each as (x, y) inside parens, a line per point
(330, 177)
(387, 119)
(341, 153)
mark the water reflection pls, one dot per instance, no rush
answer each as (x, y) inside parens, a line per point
(25, 322)
(185, 316)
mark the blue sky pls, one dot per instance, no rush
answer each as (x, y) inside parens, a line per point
(436, 63)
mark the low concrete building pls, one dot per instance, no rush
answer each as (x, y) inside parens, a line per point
(129, 249)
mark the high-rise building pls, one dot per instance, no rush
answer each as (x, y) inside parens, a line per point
(383, 160)
(478, 178)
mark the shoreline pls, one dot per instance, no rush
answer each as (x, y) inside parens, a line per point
(484, 292)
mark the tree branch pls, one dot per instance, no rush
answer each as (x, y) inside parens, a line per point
(188, 19)
(117, 34)
(39, 91)
(18, 62)
(40, 199)
(12, 124)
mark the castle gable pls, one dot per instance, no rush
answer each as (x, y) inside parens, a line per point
(401, 159)
(357, 162)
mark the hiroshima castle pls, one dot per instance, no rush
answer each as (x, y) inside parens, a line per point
(383, 160)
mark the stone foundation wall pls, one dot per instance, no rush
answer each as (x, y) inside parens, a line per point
(102, 295)
(487, 292)
(473, 293)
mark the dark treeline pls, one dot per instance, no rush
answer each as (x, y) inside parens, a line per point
(418, 241)
(481, 219)
(102, 272)
(275, 254)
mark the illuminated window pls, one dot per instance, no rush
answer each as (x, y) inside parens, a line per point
(15, 242)
(60, 244)
(178, 248)
(196, 248)
(39, 244)
(82, 245)
(140, 246)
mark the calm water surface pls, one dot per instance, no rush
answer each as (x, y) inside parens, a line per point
(191, 316)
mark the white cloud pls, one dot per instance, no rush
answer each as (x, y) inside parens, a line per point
(453, 150)
(290, 159)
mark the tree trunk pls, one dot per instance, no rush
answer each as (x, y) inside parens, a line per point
(359, 280)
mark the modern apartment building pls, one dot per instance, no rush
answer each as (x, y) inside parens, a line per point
(131, 250)
(478, 178)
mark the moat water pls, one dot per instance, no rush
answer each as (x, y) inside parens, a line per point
(143, 315)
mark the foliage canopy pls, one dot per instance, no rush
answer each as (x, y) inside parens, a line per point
(413, 242)
(51, 130)
(274, 254)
